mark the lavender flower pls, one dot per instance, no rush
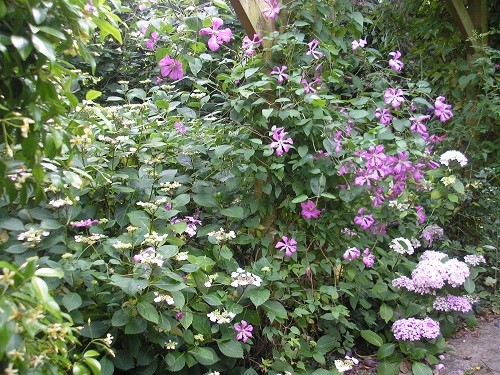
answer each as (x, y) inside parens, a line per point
(395, 63)
(442, 110)
(415, 329)
(368, 258)
(272, 12)
(384, 115)
(312, 45)
(360, 43)
(452, 303)
(394, 97)
(364, 221)
(84, 223)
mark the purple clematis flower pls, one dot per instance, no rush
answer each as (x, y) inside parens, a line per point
(288, 245)
(280, 72)
(272, 12)
(244, 331)
(171, 68)
(217, 37)
(281, 144)
(309, 210)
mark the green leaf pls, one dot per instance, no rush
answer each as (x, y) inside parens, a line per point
(234, 211)
(388, 368)
(72, 301)
(274, 310)
(205, 356)
(267, 112)
(458, 186)
(107, 29)
(195, 64)
(80, 369)
(325, 344)
(259, 296)
(120, 318)
(300, 198)
(358, 113)
(107, 367)
(469, 285)
(129, 285)
(453, 198)
(11, 223)
(386, 312)
(139, 219)
(22, 45)
(231, 348)
(135, 326)
(43, 46)
(250, 72)
(49, 272)
(385, 350)
(221, 4)
(148, 311)
(181, 200)
(92, 94)
(372, 337)
(421, 369)
(175, 361)
(222, 149)
(93, 364)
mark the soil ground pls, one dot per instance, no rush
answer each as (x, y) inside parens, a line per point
(475, 350)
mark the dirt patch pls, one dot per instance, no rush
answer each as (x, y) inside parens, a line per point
(474, 351)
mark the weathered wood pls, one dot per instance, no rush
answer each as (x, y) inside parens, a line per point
(471, 19)
(250, 14)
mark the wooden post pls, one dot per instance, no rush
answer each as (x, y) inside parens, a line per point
(475, 18)
(250, 15)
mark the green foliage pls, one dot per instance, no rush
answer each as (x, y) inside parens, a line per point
(167, 242)
(36, 80)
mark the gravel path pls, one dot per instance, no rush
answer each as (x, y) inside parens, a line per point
(475, 351)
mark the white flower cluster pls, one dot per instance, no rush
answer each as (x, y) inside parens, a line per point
(221, 317)
(163, 298)
(32, 237)
(448, 180)
(453, 155)
(221, 235)
(153, 206)
(402, 246)
(170, 345)
(90, 240)
(346, 364)
(214, 373)
(154, 238)
(149, 256)
(183, 255)
(57, 203)
(416, 243)
(400, 206)
(474, 260)
(119, 245)
(167, 187)
(19, 177)
(83, 140)
(211, 279)
(243, 278)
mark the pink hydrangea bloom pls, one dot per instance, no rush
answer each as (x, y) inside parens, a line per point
(415, 329)
(288, 245)
(217, 37)
(244, 331)
(309, 210)
(281, 144)
(171, 68)
(272, 12)
(84, 223)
